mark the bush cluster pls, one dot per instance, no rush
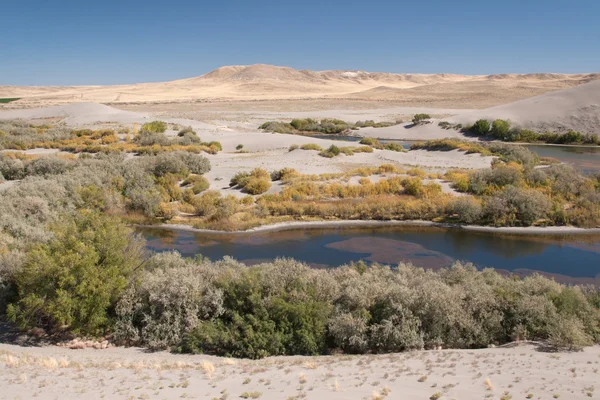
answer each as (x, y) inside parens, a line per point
(286, 308)
(254, 182)
(326, 126)
(378, 145)
(19, 135)
(154, 127)
(420, 119)
(502, 130)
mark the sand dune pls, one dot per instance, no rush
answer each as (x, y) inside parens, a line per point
(264, 82)
(576, 108)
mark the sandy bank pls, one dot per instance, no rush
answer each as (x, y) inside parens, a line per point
(285, 226)
(125, 373)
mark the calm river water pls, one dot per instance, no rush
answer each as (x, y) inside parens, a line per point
(568, 258)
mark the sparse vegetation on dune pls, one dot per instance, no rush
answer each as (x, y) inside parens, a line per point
(19, 135)
(8, 99)
(500, 129)
(327, 126)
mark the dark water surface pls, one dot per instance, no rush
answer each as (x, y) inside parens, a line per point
(568, 258)
(585, 158)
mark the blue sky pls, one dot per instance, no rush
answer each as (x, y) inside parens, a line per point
(64, 42)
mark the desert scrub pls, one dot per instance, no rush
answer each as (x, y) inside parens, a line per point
(196, 183)
(327, 126)
(419, 119)
(502, 130)
(451, 144)
(284, 308)
(332, 151)
(394, 147)
(311, 146)
(154, 126)
(254, 182)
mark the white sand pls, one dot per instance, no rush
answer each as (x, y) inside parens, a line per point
(576, 108)
(264, 150)
(129, 373)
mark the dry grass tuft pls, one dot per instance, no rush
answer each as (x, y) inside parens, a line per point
(208, 368)
(488, 384)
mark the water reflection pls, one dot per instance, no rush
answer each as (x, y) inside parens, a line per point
(572, 256)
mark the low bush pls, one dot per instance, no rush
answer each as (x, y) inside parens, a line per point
(311, 146)
(254, 182)
(332, 151)
(286, 308)
(394, 147)
(371, 142)
(481, 127)
(420, 119)
(197, 183)
(73, 281)
(154, 127)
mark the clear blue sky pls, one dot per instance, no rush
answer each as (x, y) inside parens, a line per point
(63, 42)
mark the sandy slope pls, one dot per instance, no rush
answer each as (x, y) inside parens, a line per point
(128, 373)
(261, 82)
(576, 108)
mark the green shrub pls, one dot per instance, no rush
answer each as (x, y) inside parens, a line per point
(419, 119)
(293, 147)
(265, 316)
(73, 281)
(394, 147)
(216, 145)
(371, 142)
(500, 129)
(198, 183)
(311, 146)
(481, 127)
(154, 127)
(331, 152)
(239, 146)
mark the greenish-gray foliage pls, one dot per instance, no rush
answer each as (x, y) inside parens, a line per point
(285, 307)
(71, 282)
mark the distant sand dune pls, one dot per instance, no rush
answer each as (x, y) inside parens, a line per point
(264, 82)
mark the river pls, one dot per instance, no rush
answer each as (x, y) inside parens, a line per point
(574, 259)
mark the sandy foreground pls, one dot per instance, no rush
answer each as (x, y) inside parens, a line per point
(517, 372)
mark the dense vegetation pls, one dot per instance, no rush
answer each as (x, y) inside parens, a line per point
(68, 262)
(19, 135)
(327, 126)
(500, 129)
(281, 307)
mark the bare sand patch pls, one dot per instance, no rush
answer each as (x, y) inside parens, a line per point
(114, 373)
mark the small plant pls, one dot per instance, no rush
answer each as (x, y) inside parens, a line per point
(293, 147)
(331, 152)
(420, 119)
(311, 146)
(435, 396)
(154, 127)
(239, 146)
(422, 378)
(251, 395)
(246, 381)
